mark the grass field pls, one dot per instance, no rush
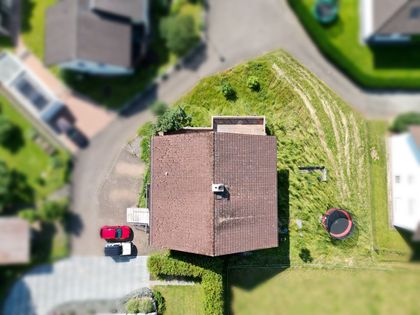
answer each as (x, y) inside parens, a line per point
(386, 238)
(381, 67)
(182, 300)
(313, 127)
(304, 291)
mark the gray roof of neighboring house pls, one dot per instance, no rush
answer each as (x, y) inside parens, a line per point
(132, 9)
(415, 133)
(15, 241)
(73, 31)
(396, 16)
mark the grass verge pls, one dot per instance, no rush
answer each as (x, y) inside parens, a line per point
(182, 300)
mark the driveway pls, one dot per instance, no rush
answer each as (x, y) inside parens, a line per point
(75, 279)
(237, 30)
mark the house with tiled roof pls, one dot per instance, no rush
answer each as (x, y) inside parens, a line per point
(213, 190)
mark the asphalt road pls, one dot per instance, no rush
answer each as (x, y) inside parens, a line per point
(237, 30)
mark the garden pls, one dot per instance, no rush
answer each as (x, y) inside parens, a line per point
(390, 66)
(313, 126)
(32, 171)
(176, 28)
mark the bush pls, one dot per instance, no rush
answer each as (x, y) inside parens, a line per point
(6, 181)
(228, 91)
(30, 215)
(160, 301)
(54, 210)
(140, 305)
(179, 32)
(402, 122)
(208, 269)
(159, 108)
(7, 129)
(173, 119)
(253, 83)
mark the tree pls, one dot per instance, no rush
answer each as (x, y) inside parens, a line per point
(6, 180)
(173, 119)
(7, 128)
(179, 33)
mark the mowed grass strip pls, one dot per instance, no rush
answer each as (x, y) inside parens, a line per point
(182, 300)
(313, 126)
(304, 291)
(386, 237)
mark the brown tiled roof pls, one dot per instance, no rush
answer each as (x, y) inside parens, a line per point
(185, 213)
(15, 241)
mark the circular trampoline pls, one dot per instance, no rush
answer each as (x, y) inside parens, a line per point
(326, 11)
(338, 223)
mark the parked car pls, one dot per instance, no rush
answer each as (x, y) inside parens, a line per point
(115, 233)
(118, 249)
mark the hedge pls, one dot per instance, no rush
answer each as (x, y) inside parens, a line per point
(208, 269)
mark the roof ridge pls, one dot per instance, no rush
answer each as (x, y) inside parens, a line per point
(389, 20)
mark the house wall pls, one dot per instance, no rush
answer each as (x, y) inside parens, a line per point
(95, 67)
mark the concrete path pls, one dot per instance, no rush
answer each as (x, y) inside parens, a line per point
(75, 279)
(237, 30)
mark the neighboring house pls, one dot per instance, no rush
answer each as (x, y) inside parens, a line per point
(213, 190)
(15, 241)
(9, 17)
(405, 179)
(389, 21)
(103, 37)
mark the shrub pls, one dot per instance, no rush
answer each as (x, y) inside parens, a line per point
(54, 210)
(7, 129)
(228, 91)
(402, 122)
(160, 301)
(209, 270)
(6, 180)
(179, 32)
(172, 120)
(30, 215)
(140, 305)
(159, 108)
(253, 83)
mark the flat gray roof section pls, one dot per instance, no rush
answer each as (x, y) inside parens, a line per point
(15, 241)
(74, 32)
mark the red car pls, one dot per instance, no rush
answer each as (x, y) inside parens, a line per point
(115, 233)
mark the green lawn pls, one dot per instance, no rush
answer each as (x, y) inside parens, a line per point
(381, 67)
(320, 291)
(386, 238)
(112, 92)
(33, 22)
(43, 175)
(182, 300)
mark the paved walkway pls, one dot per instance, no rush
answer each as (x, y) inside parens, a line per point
(78, 279)
(75, 279)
